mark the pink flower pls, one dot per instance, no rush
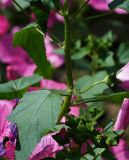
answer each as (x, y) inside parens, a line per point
(4, 25)
(121, 152)
(50, 84)
(20, 64)
(10, 151)
(102, 5)
(6, 3)
(6, 108)
(123, 77)
(122, 120)
(54, 18)
(55, 59)
(73, 147)
(47, 147)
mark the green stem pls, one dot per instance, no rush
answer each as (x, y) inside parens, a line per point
(79, 10)
(98, 116)
(94, 84)
(68, 65)
(97, 16)
(106, 80)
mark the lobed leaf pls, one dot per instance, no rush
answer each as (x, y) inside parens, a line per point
(31, 40)
(16, 88)
(40, 110)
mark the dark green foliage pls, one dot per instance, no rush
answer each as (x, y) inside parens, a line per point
(31, 40)
(16, 88)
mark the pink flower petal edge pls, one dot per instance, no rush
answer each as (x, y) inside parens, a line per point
(122, 120)
(102, 5)
(4, 25)
(47, 147)
(6, 108)
(121, 152)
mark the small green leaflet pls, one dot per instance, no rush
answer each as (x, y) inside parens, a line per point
(123, 52)
(16, 88)
(31, 40)
(40, 110)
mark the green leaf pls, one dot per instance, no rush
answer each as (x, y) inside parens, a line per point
(86, 81)
(31, 40)
(16, 88)
(109, 126)
(42, 8)
(48, 4)
(40, 110)
(115, 97)
(42, 18)
(123, 53)
(125, 5)
(115, 3)
(113, 136)
(80, 54)
(109, 61)
(59, 51)
(22, 3)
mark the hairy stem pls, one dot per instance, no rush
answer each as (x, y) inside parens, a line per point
(68, 66)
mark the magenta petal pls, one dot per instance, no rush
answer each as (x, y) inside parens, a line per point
(102, 5)
(6, 3)
(5, 110)
(4, 25)
(46, 148)
(10, 151)
(123, 77)
(50, 84)
(123, 74)
(20, 64)
(121, 152)
(84, 148)
(55, 60)
(2, 150)
(122, 120)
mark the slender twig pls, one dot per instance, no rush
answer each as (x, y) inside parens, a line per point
(88, 88)
(78, 11)
(82, 102)
(98, 116)
(97, 16)
(55, 39)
